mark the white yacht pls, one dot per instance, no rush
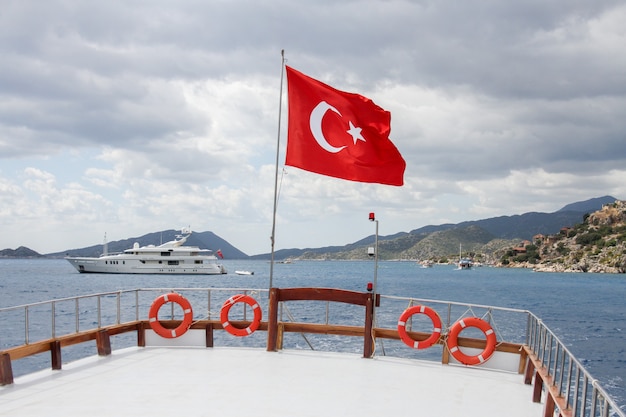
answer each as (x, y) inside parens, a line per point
(169, 258)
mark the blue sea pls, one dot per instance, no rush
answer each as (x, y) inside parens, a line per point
(586, 311)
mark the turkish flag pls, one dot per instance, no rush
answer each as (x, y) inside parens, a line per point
(339, 134)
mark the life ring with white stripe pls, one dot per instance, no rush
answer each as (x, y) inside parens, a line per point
(153, 315)
(236, 331)
(432, 315)
(453, 341)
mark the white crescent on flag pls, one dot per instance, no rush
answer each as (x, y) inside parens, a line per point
(315, 124)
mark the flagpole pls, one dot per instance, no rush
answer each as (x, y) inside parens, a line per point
(280, 106)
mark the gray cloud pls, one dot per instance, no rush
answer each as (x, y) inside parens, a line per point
(501, 106)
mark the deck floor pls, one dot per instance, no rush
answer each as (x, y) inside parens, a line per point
(237, 382)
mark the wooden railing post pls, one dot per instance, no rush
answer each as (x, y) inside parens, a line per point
(6, 371)
(368, 334)
(530, 370)
(272, 320)
(537, 388)
(280, 338)
(548, 408)
(209, 335)
(141, 335)
(523, 362)
(55, 355)
(103, 343)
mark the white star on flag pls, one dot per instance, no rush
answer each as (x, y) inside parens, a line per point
(355, 132)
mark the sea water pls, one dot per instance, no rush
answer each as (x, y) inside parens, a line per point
(586, 311)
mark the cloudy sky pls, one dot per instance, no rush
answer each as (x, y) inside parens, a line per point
(128, 117)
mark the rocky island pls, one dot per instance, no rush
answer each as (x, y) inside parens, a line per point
(598, 244)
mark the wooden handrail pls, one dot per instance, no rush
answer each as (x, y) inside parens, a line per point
(544, 379)
(321, 294)
(101, 336)
(54, 345)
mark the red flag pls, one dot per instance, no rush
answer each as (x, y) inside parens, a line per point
(219, 253)
(339, 134)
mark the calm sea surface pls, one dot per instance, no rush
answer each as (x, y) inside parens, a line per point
(586, 311)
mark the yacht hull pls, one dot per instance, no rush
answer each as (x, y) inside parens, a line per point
(145, 266)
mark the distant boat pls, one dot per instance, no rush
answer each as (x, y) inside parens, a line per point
(244, 272)
(464, 263)
(169, 258)
(426, 264)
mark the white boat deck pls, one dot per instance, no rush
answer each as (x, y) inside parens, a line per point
(158, 381)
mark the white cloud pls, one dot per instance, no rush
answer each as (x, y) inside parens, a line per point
(132, 118)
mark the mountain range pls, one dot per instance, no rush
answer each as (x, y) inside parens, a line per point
(486, 235)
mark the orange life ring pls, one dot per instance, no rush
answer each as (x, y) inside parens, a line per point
(453, 340)
(235, 331)
(434, 317)
(153, 315)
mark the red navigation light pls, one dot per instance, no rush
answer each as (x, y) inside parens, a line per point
(372, 217)
(370, 286)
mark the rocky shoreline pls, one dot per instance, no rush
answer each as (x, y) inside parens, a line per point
(582, 268)
(598, 245)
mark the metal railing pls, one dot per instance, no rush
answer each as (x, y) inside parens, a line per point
(583, 394)
(98, 310)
